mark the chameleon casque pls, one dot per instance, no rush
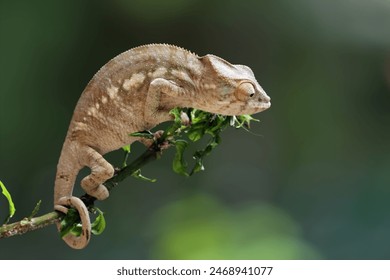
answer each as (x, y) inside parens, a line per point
(135, 92)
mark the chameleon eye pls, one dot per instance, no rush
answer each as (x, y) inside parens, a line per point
(245, 91)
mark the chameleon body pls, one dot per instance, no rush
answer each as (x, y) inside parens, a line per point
(135, 92)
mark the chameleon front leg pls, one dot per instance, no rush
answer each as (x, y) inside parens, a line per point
(154, 110)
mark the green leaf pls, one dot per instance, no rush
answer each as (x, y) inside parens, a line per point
(70, 222)
(198, 156)
(201, 154)
(137, 174)
(76, 230)
(143, 134)
(99, 224)
(179, 164)
(243, 121)
(177, 127)
(126, 148)
(176, 112)
(196, 133)
(11, 207)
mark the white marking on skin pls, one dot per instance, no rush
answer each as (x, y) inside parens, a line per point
(182, 75)
(97, 106)
(161, 71)
(125, 110)
(135, 80)
(126, 84)
(112, 92)
(104, 99)
(193, 64)
(92, 111)
(179, 56)
(80, 126)
(84, 119)
(210, 86)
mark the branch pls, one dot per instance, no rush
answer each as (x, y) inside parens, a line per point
(195, 123)
(30, 224)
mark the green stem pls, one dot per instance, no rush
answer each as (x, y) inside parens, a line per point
(26, 225)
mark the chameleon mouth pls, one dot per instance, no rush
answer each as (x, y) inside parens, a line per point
(267, 105)
(263, 106)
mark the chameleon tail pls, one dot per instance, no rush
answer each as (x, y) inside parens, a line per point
(63, 199)
(76, 242)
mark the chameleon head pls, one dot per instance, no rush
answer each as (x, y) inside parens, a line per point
(235, 88)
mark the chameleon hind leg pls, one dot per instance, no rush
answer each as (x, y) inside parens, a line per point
(101, 171)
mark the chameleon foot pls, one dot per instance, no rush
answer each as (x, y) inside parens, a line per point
(150, 143)
(164, 144)
(76, 242)
(101, 171)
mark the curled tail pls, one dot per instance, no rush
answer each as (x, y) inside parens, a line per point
(76, 242)
(63, 199)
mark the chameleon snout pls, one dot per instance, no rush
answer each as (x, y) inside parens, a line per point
(264, 99)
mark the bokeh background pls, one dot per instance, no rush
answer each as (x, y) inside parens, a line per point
(314, 185)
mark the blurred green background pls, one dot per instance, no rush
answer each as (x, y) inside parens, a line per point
(314, 185)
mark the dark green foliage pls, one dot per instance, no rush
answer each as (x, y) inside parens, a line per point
(199, 124)
(192, 124)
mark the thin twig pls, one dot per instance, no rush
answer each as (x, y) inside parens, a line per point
(26, 225)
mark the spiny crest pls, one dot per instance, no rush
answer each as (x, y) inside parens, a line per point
(154, 45)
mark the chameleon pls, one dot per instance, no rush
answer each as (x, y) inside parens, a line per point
(135, 91)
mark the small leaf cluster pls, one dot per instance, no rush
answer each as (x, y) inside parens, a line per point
(195, 124)
(191, 125)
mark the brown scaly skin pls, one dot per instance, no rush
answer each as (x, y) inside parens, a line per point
(134, 92)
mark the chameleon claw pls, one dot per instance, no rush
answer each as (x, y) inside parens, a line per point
(163, 145)
(76, 242)
(158, 134)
